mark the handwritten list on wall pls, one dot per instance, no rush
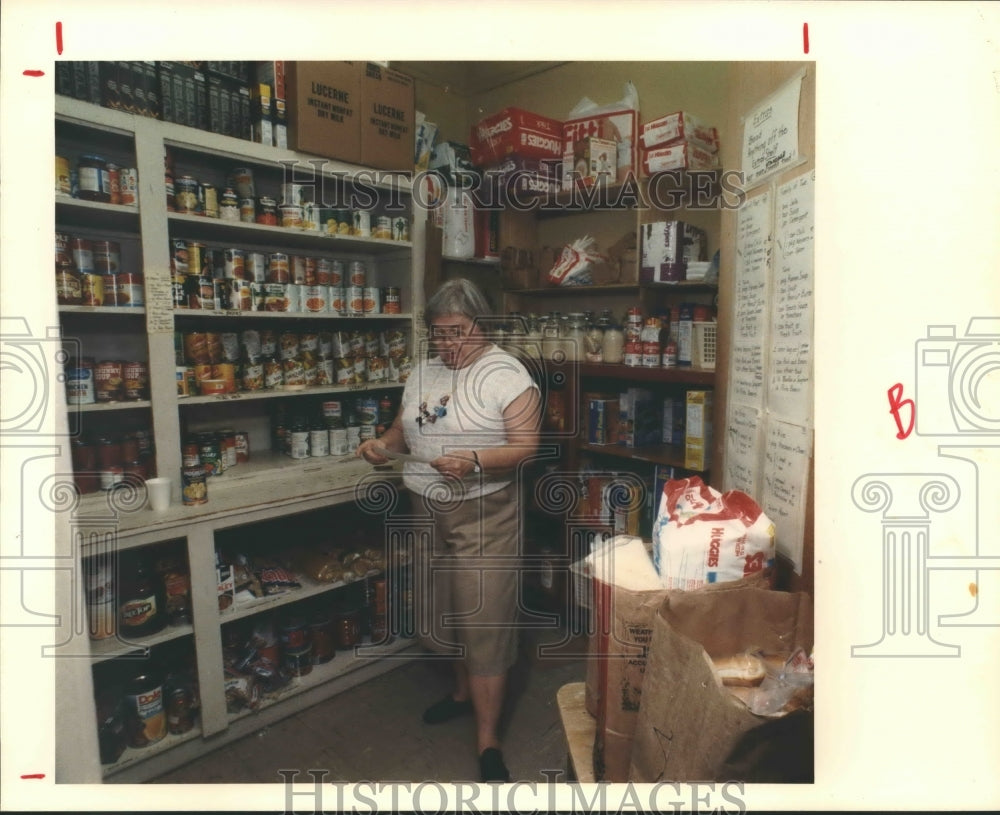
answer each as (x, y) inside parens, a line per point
(769, 411)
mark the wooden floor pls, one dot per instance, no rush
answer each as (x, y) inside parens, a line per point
(374, 732)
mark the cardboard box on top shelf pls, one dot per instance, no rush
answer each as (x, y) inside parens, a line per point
(324, 109)
(387, 113)
(517, 131)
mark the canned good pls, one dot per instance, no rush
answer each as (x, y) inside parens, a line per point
(135, 376)
(299, 662)
(80, 381)
(253, 375)
(114, 188)
(108, 382)
(274, 373)
(278, 268)
(255, 267)
(382, 227)
(229, 205)
(242, 446)
(179, 711)
(194, 485)
(338, 441)
(110, 284)
(355, 300)
(293, 297)
(179, 257)
(129, 185)
(316, 298)
(129, 290)
(91, 289)
(347, 628)
(186, 194)
(297, 269)
(274, 297)
(168, 183)
(82, 252)
(144, 702)
(62, 176)
(241, 179)
(344, 221)
(372, 300)
(338, 299)
(233, 267)
(106, 257)
(362, 223)
(209, 455)
(68, 286)
(309, 271)
(93, 179)
(400, 228)
(267, 211)
(195, 257)
(291, 215)
(367, 410)
(324, 271)
(337, 273)
(322, 639)
(300, 443)
(391, 300)
(208, 198)
(248, 210)
(220, 295)
(358, 274)
(190, 456)
(227, 445)
(319, 442)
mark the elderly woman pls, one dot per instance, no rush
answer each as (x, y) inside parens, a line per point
(470, 412)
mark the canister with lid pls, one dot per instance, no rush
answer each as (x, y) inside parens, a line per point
(94, 179)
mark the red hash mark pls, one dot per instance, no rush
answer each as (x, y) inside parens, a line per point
(805, 37)
(34, 775)
(34, 73)
(59, 37)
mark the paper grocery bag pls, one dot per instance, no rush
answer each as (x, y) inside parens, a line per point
(688, 725)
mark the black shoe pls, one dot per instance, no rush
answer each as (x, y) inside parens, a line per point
(491, 766)
(446, 710)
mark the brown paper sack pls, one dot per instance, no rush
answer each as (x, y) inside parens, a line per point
(688, 725)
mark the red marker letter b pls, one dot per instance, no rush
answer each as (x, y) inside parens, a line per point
(895, 403)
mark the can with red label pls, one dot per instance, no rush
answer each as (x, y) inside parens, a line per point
(338, 299)
(248, 210)
(242, 446)
(355, 300)
(278, 268)
(315, 298)
(110, 284)
(107, 257)
(337, 273)
(82, 251)
(297, 269)
(267, 211)
(372, 300)
(310, 276)
(114, 183)
(129, 290)
(324, 271)
(233, 264)
(358, 273)
(128, 182)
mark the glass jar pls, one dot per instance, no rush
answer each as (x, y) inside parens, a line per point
(574, 337)
(613, 343)
(94, 179)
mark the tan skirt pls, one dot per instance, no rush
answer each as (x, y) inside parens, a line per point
(471, 568)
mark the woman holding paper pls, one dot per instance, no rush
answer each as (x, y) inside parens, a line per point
(469, 417)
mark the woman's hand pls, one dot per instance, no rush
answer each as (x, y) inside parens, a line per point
(368, 451)
(457, 463)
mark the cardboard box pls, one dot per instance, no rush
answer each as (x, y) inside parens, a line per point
(639, 419)
(681, 156)
(513, 130)
(387, 114)
(620, 127)
(271, 73)
(602, 421)
(679, 127)
(698, 430)
(595, 160)
(666, 249)
(674, 413)
(324, 103)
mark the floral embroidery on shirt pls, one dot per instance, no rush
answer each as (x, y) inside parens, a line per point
(440, 411)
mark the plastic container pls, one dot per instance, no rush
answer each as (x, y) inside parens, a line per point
(703, 345)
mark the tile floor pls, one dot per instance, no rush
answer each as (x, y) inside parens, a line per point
(374, 732)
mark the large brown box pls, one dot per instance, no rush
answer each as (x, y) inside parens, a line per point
(387, 118)
(324, 103)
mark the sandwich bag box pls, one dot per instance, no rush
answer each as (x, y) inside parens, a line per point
(684, 155)
(323, 101)
(679, 127)
(387, 118)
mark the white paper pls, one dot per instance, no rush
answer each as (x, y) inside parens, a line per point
(786, 474)
(744, 447)
(750, 312)
(790, 372)
(771, 134)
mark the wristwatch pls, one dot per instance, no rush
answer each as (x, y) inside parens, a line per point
(477, 467)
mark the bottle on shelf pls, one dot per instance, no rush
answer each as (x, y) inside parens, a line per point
(141, 601)
(594, 337)
(613, 341)
(575, 337)
(650, 339)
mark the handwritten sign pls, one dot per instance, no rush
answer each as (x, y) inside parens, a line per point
(786, 474)
(744, 442)
(750, 313)
(771, 134)
(159, 304)
(791, 365)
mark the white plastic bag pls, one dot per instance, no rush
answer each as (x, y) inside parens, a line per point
(578, 263)
(588, 107)
(703, 536)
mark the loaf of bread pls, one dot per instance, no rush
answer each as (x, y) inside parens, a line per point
(740, 670)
